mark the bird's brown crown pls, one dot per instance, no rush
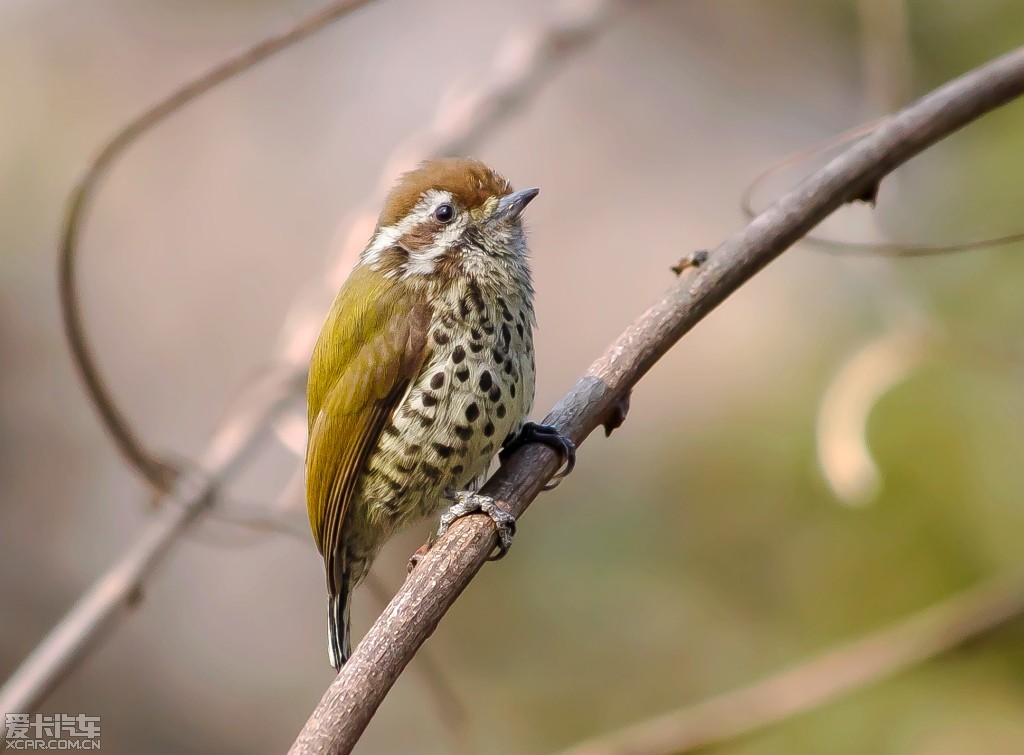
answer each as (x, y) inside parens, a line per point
(469, 181)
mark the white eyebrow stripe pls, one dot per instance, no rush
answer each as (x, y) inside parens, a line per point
(435, 197)
(388, 236)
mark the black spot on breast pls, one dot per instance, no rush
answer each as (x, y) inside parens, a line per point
(458, 354)
(457, 470)
(431, 472)
(519, 329)
(437, 381)
(403, 468)
(502, 411)
(498, 355)
(485, 380)
(475, 334)
(440, 337)
(509, 368)
(506, 335)
(395, 486)
(505, 314)
(429, 399)
(489, 429)
(476, 296)
(495, 394)
(512, 390)
(488, 327)
(472, 412)
(476, 347)
(393, 431)
(462, 374)
(443, 450)
(464, 309)
(464, 432)
(488, 449)
(412, 449)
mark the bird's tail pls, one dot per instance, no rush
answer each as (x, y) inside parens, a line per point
(339, 631)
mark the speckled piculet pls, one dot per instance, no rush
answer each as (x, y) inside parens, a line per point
(423, 372)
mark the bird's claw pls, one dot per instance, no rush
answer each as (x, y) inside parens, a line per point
(466, 503)
(550, 436)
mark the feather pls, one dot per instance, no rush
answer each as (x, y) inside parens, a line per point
(371, 348)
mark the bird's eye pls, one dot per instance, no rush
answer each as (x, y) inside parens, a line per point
(444, 213)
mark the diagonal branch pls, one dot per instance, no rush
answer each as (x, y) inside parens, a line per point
(414, 613)
(817, 682)
(121, 588)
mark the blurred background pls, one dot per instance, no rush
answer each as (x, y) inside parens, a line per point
(698, 548)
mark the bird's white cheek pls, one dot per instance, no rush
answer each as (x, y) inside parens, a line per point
(421, 264)
(424, 262)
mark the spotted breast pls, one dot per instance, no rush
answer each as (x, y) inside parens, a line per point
(472, 394)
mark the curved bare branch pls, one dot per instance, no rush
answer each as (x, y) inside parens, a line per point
(158, 472)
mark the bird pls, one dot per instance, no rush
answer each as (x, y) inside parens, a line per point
(422, 373)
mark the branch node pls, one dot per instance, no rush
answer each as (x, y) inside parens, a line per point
(868, 194)
(134, 597)
(690, 261)
(616, 414)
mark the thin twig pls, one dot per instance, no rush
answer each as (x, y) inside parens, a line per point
(414, 613)
(159, 473)
(894, 249)
(814, 683)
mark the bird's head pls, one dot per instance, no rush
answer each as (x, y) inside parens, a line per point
(450, 217)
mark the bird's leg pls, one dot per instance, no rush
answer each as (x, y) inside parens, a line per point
(464, 503)
(467, 502)
(548, 435)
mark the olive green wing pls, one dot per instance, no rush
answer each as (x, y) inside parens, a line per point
(370, 349)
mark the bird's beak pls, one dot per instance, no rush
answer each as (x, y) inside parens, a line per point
(511, 206)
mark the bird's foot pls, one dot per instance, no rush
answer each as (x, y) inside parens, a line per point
(466, 503)
(550, 436)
